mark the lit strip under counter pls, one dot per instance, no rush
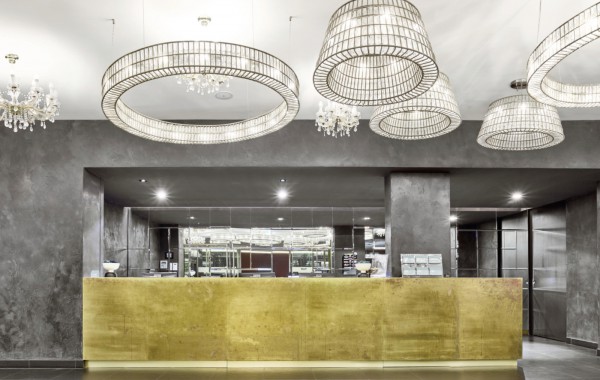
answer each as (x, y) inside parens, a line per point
(398, 321)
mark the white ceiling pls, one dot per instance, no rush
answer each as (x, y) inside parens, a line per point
(481, 44)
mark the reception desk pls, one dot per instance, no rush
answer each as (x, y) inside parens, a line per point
(388, 321)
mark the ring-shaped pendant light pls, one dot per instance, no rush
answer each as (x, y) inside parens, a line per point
(520, 122)
(375, 52)
(198, 57)
(572, 35)
(430, 115)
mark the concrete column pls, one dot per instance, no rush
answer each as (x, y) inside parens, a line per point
(417, 211)
(93, 227)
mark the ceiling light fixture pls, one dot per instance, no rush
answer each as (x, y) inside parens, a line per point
(161, 194)
(143, 180)
(282, 180)
(22, 114)
(453, 218)
(375, 52)
(197, 57)
(223, 95)
(429, 115)
(205, 82)
(282, 194)
(280, 219)
(337, 119)
(566, 39)
(367, 218)
(192, 217)
(516, 196)
(520, 122)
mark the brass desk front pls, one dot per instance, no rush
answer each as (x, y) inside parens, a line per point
(301, 319)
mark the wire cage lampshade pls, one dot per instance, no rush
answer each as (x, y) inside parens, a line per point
(520, 122)
(570, 36)
(198, 57)
(375, 52)
(430, 115)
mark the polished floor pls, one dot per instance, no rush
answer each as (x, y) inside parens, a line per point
(542, 360)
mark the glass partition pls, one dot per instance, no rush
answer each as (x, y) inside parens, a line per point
(250, 242)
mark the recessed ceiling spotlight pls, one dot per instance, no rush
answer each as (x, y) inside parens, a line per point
(516, 196)
(453, 218)
(367, 218)
(280, 219)
(143, 180)
(161, 194)
(192, 217)
(282, 180)
(223, 95)
(204, 20)
(282, 194)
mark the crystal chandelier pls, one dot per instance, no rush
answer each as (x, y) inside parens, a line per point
(198, 57)
(22, 114)
(337, 119)
(375, 52)
(520, 122)
(203, 83)
(570, 36)
(429, 115)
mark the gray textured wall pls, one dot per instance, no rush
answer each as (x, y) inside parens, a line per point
(583, 273)
(424, 200)
(122, 238)
(93, 225)
(41, 177)
(487, 244)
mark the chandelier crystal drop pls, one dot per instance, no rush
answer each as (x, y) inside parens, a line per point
(205, 58)
(203, 83)
(430, 115)
(570, 36)
(22, 113)
(337, 119)
(375, 52)
(520, 122)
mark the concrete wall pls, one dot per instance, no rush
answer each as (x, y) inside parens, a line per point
(583, 273)
(41, 203)
(424, 200)
(487, 244)
(123, 238)
(93, 225)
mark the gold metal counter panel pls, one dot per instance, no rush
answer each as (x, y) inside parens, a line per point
(312, 319)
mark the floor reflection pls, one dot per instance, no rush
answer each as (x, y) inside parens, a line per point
(542, 360)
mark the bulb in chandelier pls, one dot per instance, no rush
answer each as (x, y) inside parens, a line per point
(203, 83)
(22, 113)
(337, 119)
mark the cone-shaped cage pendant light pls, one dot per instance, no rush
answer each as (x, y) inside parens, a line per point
(375, 52)
(520, 122)
(430, 115)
